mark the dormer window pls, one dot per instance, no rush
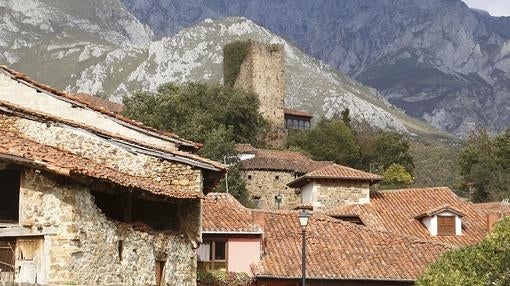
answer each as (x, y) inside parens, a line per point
(442, 221)
(446, 225)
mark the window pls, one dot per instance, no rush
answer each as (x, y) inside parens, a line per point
(249, 177)
(9, 202)
(446, 225)
(276, 178)
(289, 123)
(301, 124)
(212, 255)
(307, 125)
(7, 248)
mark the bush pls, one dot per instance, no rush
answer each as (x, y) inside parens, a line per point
(220, 278)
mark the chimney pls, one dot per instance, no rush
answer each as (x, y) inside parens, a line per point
(492, 218)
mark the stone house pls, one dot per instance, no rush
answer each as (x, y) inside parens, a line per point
(92, 198)
(334, 185)
(267, 173)
(338, 252)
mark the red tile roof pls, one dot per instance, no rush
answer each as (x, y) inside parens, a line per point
(222, 213)
(27, 152)
(396, 211)
(335, 249)
(43, 117)
(493, 207)
(278, 160)
(296, 112)
(340, 250)
(335, 172)
(22, 78)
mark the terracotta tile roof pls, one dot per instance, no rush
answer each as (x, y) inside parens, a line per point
(43, 117)
(296, 112)
(20, 77)
(222, 213)
(335, 172)
(278, 160)
(396, 211)
(492, 207)
(26, 152)
(340, 250)
(100, 103)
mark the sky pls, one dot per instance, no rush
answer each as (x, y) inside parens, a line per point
(494, 7)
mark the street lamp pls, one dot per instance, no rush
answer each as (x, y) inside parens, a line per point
(303, 221)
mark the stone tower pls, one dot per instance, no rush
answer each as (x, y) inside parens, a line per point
(260, 68)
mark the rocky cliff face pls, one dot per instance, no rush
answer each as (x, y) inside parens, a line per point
(77, 46)
(437, 59)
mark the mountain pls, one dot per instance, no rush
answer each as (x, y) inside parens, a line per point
(80, 47)
(437, 59)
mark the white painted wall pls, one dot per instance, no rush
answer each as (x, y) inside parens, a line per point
(307, 193)
(246, 156)
(27, 97)
(431, 223)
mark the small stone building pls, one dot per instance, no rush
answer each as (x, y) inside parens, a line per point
(267, 173)
(334, 185)
(92, 198)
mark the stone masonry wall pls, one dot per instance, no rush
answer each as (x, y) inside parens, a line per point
(82, 245)
(332, 194)
(268, 184)
(263, 72)
(102, 151)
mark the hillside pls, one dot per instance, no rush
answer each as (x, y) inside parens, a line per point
(437, 59)
(111, 54)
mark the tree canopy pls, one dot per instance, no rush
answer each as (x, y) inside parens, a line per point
(485, 166)
(330, 140)
(487, 263)
(214, 115)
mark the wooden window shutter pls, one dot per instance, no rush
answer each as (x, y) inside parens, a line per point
(446, 225)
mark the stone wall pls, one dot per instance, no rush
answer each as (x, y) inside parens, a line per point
(268, 184)
(81, 245)
(85, 144)
(263, 72)
(330, 194)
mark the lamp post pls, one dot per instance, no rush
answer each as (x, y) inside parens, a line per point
(303, 221)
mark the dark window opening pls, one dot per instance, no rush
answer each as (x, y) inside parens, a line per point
(155, 215)
(120, 249)
(249, 177)
(7, 248)
(277, 177)
(301, 125)
(446, 225)
(9, 196)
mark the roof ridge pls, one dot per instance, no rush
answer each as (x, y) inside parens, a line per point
(21, 76)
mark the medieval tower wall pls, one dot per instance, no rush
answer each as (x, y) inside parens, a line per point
(262, 71)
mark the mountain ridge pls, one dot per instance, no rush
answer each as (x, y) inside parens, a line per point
(437, 59)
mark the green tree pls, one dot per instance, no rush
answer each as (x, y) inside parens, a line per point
(393, 148)
(214, 115)
(331, 139)
(193, 110)
(396, 176)
(487, 263)
(484, 166)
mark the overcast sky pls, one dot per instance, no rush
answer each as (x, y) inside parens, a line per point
(494, 7)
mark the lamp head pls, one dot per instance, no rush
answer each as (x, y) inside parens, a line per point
(303, 218)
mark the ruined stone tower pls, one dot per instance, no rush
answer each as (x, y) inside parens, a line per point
(260, 68)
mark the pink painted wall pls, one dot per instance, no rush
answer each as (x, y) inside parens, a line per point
(242, 252)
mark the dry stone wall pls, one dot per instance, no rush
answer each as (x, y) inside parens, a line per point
(82, 245)
(82, 143)
(263, 72)
(268, 184)
(333, 194)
